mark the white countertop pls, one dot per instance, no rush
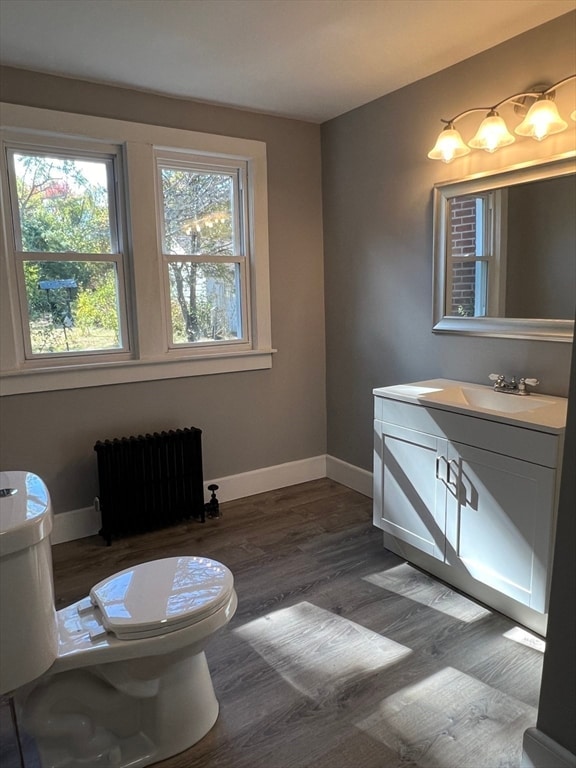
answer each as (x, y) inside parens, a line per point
(542, 412)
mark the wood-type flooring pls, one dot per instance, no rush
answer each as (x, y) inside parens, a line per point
(340, 654)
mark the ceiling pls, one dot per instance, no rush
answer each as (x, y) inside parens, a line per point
(307, 59)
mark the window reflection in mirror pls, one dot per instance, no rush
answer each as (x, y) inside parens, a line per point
(471, 253)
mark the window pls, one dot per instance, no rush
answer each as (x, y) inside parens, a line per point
(134, 252)
(68, 260)
(204, 251)
(475, 251)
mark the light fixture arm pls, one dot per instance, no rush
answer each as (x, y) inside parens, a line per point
(560, 83)
(534, 94)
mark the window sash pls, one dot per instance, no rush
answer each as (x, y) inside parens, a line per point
(72, 356)
(107, 159)
(241, 341)
(237, 170)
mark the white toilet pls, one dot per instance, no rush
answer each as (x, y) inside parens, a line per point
(119, 678)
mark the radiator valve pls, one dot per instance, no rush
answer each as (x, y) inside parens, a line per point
(212, 507)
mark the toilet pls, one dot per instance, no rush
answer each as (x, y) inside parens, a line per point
(119, 678)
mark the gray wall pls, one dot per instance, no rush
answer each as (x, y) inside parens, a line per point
(377, 191)
(249, 420)
(541, 220)
(557, 708)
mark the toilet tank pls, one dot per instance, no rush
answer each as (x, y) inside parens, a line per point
(28, 633)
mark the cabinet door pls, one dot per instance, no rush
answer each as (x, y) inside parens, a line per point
(409, 499)
(498, 523)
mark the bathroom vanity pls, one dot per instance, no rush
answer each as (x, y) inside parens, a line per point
(466, 483)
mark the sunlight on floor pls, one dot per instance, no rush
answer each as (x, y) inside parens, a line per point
(522, 636)
(406, 581)
(317, 651)
(448, 718)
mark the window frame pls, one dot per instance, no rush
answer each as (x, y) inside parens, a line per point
(111, 156)
(151, 357)
(489, 258)
(238, 171)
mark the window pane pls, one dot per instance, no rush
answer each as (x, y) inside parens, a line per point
(467, 221)
(72, 306)
(198, 213)
(63, 204)
(204, 302)
(469, 289)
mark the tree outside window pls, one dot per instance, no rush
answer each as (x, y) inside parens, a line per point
(66, 244)
(203, 250)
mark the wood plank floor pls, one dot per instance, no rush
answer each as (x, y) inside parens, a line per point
(340, 654)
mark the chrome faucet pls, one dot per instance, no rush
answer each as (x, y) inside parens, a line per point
(512, 387)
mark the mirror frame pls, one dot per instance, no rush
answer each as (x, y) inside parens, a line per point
(502, 327)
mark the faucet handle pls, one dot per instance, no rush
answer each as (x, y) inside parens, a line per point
(495, 376)
(522, 385)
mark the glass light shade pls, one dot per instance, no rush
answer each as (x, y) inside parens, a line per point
(542, 120)
(449, 145)
(573, 115)
(492, 134)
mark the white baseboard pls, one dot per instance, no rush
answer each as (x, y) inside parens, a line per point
(79, 523)
(76, 524)
(268, 478)
(348, 474)
(540, 751)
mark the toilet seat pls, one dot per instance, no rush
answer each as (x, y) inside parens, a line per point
(161, 596)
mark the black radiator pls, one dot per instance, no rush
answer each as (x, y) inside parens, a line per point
(150, 481)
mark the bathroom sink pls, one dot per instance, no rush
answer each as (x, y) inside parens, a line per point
(544, 412)
(487, 399)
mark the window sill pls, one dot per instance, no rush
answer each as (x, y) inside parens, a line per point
(21, 381)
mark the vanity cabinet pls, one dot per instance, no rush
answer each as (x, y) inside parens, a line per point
(470, 499)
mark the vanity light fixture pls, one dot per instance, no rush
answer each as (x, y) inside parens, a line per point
(541, 120)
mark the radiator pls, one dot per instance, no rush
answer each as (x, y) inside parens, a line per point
(150, 481)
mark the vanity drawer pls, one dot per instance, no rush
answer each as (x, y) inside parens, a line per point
(525, 444)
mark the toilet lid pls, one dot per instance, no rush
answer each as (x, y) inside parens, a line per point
(162, 596)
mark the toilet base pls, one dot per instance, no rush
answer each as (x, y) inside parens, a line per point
(122, 714)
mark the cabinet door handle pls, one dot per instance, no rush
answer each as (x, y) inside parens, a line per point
(455, 483)
(447, 473)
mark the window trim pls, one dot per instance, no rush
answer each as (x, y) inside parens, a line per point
(151, 359)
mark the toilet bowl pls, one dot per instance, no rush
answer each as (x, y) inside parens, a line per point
(120, 677)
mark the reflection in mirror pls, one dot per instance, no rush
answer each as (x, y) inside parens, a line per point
(505, 253)
(541, 220)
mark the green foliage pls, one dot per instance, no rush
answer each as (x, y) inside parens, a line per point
(97, 306)
(63, 207)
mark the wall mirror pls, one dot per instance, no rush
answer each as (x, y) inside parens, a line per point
(505, 252)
